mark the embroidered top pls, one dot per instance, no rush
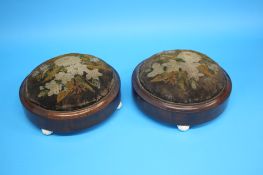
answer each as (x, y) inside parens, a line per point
(69, 82)
(182, 76)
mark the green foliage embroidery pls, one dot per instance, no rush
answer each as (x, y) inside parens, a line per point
(70, 74)
(183, 68)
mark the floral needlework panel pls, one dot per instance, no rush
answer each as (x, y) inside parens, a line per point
(182, 76)
(69, 82)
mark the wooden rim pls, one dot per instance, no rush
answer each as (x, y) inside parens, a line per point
(64, 115)
(180, 107)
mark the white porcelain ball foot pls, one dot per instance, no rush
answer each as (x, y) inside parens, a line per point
(183, 127)
(46, 132)
(120, 105)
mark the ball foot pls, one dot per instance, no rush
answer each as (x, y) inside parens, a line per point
(183, 127)
(46, 132)
(120, 105)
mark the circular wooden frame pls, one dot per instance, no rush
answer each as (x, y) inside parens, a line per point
(178, 113)
(70, 121)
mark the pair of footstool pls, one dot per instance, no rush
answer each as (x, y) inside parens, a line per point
(75, 91)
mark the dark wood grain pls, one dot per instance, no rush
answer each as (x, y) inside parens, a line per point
(71, 121)
(176, 113)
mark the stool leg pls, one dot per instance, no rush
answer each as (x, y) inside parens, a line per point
(46, 132)
(120, 105)
(183, 127)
